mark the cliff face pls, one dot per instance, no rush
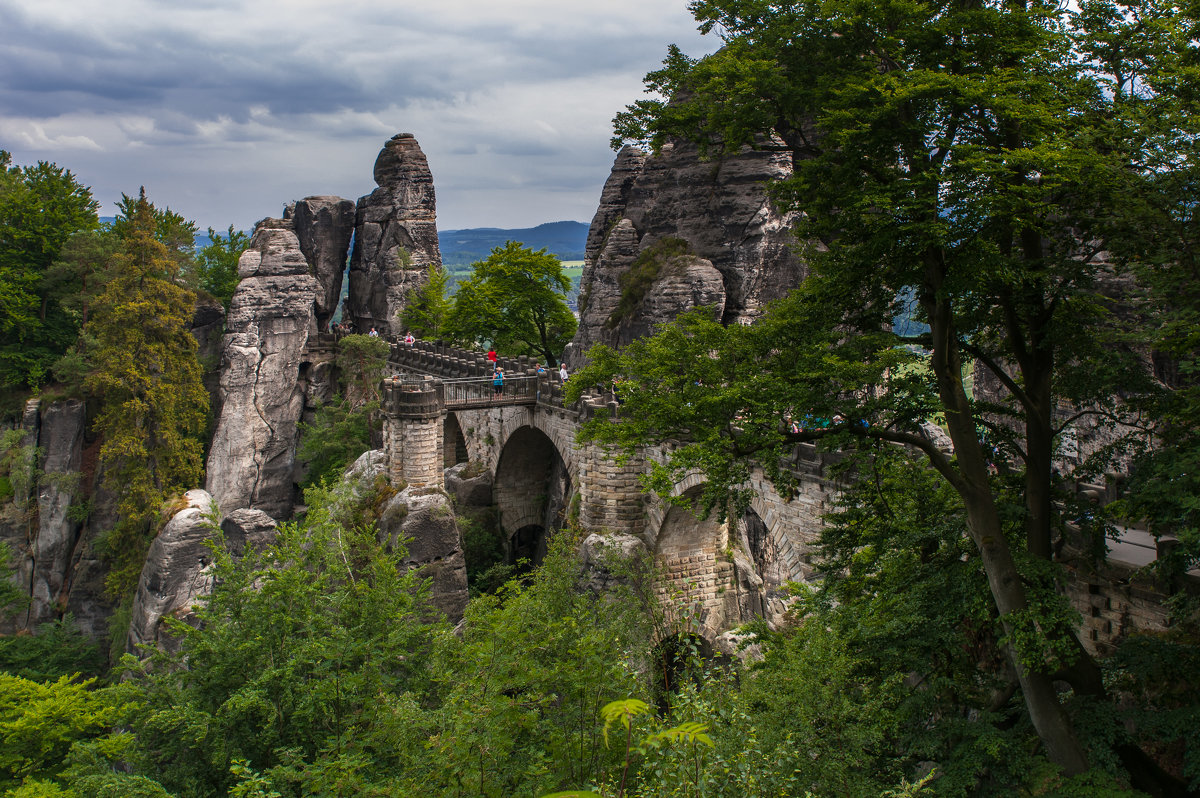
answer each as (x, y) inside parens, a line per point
(702, 232)
(395, 237)
(324, 226)
(264, 374)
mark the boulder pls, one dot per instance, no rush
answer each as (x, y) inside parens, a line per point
(324, 226)
(602, 557)
(176, 573)
(424, 522)
(248, 530)
(395, 237)
(264, 375)
(60, 438)
(470, 485)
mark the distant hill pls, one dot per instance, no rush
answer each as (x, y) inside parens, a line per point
(564, 240)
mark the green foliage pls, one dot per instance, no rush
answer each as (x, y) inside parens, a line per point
(12, 597)
(153, 404)
(652, 263)
(334, 439)
(217, 263)
(303, 651)
(427, 307)
(524, 687)
(41, 208)
(173, 231)
(515, 301)
(361, 362)
(483, 550)
(39, 722)
(979, 159)
(58, 649)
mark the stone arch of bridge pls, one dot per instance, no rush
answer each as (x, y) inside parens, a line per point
(775, 556)
(693, 554)
(531, 487)
(454, 443)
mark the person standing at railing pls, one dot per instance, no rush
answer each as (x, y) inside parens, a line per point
(498, 381)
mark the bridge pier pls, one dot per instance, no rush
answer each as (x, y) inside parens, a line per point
(413, 433)
(610, 493)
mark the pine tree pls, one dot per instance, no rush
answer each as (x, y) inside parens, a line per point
(154, 406)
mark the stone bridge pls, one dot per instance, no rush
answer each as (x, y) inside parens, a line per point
(441, 411)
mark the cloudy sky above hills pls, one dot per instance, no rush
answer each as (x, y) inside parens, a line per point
(227, 109)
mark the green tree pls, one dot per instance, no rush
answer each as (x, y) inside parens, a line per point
(969, 154)
(428, 306)
(515, 300)
(154, 407)
(170, 229)
(217, 263)
(341, 428)
(41, 208)
(306, 650)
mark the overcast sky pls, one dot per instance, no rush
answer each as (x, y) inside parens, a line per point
(228, 109)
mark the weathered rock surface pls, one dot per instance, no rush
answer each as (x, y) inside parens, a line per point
(604, 560)
(324, 226)
(427, 522)
(60, 438)
(470, 485)
(264, 375)
(719, 209)
(38, 527)
(395, 237)
(248, 529)
(176, 573)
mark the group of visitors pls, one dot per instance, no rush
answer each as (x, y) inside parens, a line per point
(498, 373)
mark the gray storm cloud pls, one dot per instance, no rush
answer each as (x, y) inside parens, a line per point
(227, 110)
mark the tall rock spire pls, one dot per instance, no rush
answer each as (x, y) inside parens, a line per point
(395, 237)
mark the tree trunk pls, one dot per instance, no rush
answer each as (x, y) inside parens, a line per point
(986, 529)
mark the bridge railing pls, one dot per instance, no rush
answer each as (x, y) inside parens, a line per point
(468, 391)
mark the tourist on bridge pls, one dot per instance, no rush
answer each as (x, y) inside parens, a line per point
(562, 372)
(492, 355)
(498, 381)
(409, 339)
(373, 333)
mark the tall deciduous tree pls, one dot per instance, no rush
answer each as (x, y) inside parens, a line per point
(515, 300)
(145, 373)
(41, 208)
(964, 153)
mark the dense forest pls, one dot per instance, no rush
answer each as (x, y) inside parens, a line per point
(1023, 176)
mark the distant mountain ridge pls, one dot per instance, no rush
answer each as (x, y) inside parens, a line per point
(564, 240)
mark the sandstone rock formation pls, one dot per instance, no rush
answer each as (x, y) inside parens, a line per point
(395, 237)
(39, 528)
(324, 226)
(264, 374)
(425, 519)
(246, 529)
(703, 230)
(470, 485)
(176, 573)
